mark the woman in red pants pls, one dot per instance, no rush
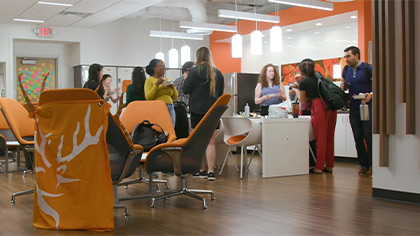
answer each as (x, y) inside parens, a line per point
(323, 120)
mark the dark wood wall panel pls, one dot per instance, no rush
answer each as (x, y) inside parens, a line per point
(375, 69)
(402, 75)
(390, 66)
(409, 67)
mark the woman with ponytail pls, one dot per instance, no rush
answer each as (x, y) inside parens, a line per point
(323, 120)
(205, 85)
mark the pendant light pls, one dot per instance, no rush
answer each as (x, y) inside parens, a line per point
(160, 55)
(276, 37)
(256, 39)
(237, 46)
(185, 54)
(236, 40)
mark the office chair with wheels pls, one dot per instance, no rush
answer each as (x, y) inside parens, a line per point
(155, 112)
(23, 129)
(185, 156)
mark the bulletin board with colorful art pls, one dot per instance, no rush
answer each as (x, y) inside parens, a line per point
(33, 74)
(325, 67)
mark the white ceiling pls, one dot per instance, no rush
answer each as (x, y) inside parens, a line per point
(90, 13)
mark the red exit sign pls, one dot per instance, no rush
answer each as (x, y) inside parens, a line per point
(44, 32)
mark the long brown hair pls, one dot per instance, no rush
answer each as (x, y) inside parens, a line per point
(203, 56)
(262, 79)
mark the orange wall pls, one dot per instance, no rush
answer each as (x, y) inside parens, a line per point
(222, 51)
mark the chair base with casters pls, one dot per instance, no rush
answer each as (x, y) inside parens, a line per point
(142, 179)
(187, 192)
(28, 152)
(116, 202)
(175, 154)
(14, 195)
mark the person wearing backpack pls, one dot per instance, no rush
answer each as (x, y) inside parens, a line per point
(323, 119)
(358, 79)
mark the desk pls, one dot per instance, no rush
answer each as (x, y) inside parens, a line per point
(285, 145)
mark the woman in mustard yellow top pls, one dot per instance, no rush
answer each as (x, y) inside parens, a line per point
(156, 88)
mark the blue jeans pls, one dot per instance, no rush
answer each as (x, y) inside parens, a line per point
(172, 112)
(362, 131)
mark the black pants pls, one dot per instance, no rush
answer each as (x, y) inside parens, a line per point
(362, 131)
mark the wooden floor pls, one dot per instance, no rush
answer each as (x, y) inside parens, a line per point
(328, 204)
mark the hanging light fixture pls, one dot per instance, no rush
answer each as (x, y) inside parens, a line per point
(237, 46)
(236, 40)
(160, 55)
(185, 54)
(256, 38)
(256, 42)
(276, 37)
(173, 58)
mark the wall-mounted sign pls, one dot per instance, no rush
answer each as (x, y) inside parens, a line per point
(44, 32)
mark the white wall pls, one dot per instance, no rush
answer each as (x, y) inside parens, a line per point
(403, 173)
(125, 42)
(329, 43)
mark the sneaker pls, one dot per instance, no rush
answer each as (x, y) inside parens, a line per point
(200, 175)
(211, 176)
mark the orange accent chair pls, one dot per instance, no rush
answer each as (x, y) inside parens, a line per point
(8, 143)
(23, 129)
(155, 112)
(185, 156)
(124, 156)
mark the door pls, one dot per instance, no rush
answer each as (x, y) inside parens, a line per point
(33, 72)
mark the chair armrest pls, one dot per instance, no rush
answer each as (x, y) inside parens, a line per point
(175, 154)
(127, 164)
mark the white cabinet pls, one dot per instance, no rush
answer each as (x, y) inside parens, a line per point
(344, 145)
(285, 145)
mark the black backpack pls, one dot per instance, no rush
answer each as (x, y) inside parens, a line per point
(335, 97)
(148, 137)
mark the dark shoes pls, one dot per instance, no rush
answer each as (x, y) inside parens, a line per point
(211, 176)
(200, 175)
(363, 170)
(326, 170)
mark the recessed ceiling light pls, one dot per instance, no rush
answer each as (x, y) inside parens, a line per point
(289, 37)
(347, 27)
(316, 32)
(289, 30)
(318, 23)
(29, 20)
(55, 4)
(353, 17)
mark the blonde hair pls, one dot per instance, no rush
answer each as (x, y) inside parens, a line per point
(262, 79)
(204, 59)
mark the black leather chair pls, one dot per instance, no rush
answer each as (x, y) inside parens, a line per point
(185, 156)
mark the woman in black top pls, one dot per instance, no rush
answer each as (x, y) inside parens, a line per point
(205, 84)
(135, 91)
(95, 75)
(322, 119)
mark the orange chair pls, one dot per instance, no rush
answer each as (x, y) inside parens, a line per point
(8, 143)
(124, 156)
(155, 112)
(185, 156)
(23, 128)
